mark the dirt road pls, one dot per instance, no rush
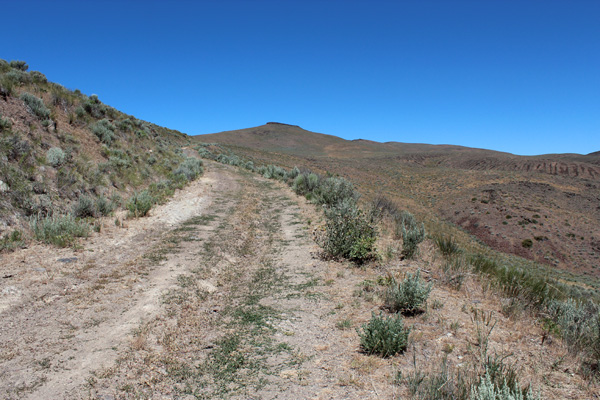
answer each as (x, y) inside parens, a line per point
(217, 294)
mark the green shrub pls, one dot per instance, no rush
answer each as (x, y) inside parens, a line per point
(84, 207)
(140, 204)
(94, 107)
(487, 389)
(348, 233)
(16, 77)
(384, 336)
(274, 172)
(125, 125)
(332, 191)
(413, 233)
(20, 65)
(527, 243)
(5, 124)
(249, 165)
(306, 183)
(11, 241)
(60, 231)
(35, 105)
(4, 66)
(191, 168)
(293, 173)
(38, 77)
(105, 131)
(55, 156)
(407, 296)
(579, 327)
(103, 206)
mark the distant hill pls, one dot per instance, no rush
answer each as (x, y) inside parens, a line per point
(292, 139)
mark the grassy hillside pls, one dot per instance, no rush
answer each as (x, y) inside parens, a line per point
(63, 152)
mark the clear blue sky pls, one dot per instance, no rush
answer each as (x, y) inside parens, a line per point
(519, 76)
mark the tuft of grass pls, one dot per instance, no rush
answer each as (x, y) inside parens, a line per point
(407, 296)
(60, 231)
(384, 336)
(447, 245)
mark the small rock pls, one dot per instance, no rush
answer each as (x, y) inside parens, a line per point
(206, 286)
(3, 187)
(67, 260)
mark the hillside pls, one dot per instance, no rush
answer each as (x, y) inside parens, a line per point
(502, 199)
(61, 149)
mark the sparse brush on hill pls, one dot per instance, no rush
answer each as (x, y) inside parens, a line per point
(407, 296)
(55, 156)
(60, 230)
(348, 233)
(384, 336)
(35, 105)
(139, 204)
(413, 233)
(93, 149)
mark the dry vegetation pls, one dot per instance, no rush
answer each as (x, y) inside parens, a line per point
(297, 267)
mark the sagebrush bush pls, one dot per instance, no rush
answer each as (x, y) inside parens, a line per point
(94, 107)
(293, 173)
(488, 390)
(105, 131)
(60, 230)
(103, 206)
(348, 233)
(38, 77)
(20, 65)
(332, 191)
(306, 183)
(84, 207)
(16, 77)
(191, 168)
(55, 156)
(384, 336)
(11, 241)
(413, 233)
(579, 326)
(407, 296)
(35, 105)
(140, 204)
(5, 124)
(274, 172)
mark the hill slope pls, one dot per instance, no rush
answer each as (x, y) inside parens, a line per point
(506, 201)
(59, 146)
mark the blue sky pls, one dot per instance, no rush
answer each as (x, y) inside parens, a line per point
(517, 76)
